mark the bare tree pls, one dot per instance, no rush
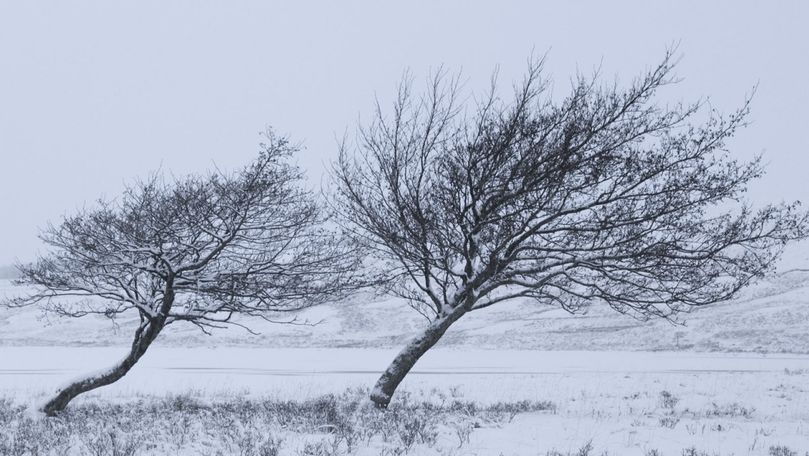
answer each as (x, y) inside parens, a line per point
(602, 197)
(199, 249)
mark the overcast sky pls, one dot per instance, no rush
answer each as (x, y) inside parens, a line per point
(94, 94)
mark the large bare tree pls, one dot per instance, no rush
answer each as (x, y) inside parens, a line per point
(200, 249)
(603, 197)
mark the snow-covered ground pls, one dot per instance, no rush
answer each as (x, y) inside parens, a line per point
(32, 371)
(732, 380)
(626, 403)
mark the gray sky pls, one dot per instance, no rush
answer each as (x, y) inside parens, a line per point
(94, 94)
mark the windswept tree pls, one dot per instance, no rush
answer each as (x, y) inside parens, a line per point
(200, 250)
(604, 197)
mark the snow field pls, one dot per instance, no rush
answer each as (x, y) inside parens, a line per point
(624, 403)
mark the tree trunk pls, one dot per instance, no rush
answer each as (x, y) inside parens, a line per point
(406, 359)
(144, 336)
(111, 375)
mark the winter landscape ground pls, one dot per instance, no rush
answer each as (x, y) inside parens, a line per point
(520, 379)
(295, 171)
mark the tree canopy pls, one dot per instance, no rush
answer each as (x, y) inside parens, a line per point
(605, 196)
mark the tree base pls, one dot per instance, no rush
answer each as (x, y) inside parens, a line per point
(380, 399)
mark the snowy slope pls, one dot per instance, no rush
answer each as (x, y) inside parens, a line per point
(770, 316)
(8, 272)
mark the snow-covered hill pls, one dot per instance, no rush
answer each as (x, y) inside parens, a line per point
(771, 316)
(8, 272)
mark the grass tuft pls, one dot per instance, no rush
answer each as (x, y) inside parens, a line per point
(323, 426)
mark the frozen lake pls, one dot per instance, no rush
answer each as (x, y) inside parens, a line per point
(482, 374)
(724, 403)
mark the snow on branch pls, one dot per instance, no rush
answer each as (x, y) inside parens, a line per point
(218, 244)
(603, 196)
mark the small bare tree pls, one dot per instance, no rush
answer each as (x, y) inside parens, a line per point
(602, 197)
(199, 249)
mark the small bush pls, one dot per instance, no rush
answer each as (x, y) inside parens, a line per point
(586, 449)
(730, 411)
(692, 451)
(111, 443)
(781, 451)
(668, 400)
(669, 421)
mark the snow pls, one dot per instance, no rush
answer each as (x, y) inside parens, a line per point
(725, 402)
(735, 374)
(771, 317)
(267, 370)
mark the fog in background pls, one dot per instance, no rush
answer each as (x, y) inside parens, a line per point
(95, 94)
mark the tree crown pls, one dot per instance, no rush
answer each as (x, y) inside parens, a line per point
(248, 242)
(603, 196)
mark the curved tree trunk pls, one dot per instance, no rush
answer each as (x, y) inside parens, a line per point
(113, 374)
(144, 336)
(406, 359)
